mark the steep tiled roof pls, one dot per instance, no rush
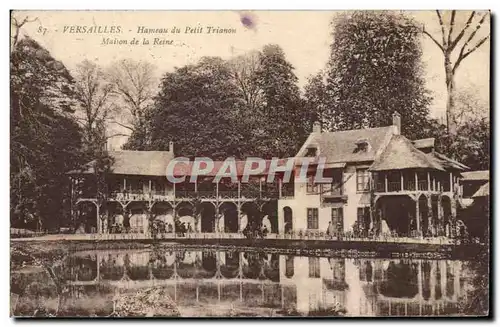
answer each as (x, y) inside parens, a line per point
(447, 162)
(483, 191)
(477, 175)
(400, 153)
(341, 146)
(147, 163)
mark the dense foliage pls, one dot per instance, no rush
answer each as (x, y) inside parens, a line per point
(218, 109)
(45, 139)
(374, 69)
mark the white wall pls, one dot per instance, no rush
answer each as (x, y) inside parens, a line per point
(302, 201)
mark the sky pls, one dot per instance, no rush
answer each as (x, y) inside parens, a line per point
(304, 36)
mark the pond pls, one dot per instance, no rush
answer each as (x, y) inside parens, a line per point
(192, 282)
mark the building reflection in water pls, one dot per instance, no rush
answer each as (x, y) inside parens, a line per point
(363, 287)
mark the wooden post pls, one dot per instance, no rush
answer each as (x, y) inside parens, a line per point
(98, 219)
(217, 190)
(124, 183)
(196, 185)
(431, 215)
(150, 190)
(451, 182)
(280, 184)
(386, 183)
(239, 189)
(417, 215)
(416, 181)
(419, 278)
(402, 186)
(428, 181)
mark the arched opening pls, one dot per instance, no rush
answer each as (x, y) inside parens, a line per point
(423, 210)
(163, 217)
(207, 217)
(163, 264)
(270, 216)
(252, 265)
(137, 264)
(185, 221)
(208, 265)
(231, 266)
(272, 267)
(435, 214)
(398, 215)
(288, 219)
(86, 219)
(252, 219)
(229, 223)
(112, 267)
(188, 264)
(447, 219)
(136, 219)
(115, 217)
(400, 280)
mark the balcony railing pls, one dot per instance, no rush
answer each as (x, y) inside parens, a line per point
(228, 194)
(394, 186)
(287, 192)
(380, 187)
(423, 185)
(332, 190)
(409, 185)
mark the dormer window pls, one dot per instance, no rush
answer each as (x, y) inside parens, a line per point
(312, 151)
(362, 145)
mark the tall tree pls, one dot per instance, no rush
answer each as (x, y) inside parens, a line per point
(450, 41)
(45, 139)
(316, 101)
(375, 69)
(94, 96)
(244, 69)
(195, 108)
(284, 116)
(135, 84)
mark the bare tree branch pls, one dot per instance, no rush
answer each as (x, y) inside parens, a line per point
(443, 33)
(122, 125)
(433, 39)
(466, 54)
(462, 32)
(452, 24)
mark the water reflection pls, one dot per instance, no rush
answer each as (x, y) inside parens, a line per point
(286, 283)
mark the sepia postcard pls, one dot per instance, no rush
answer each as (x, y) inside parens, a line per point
(242, 164)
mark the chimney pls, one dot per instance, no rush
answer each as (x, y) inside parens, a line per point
(171, 146)
(396, 121)
(317, 127)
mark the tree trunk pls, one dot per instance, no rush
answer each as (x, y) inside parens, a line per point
(450, 104)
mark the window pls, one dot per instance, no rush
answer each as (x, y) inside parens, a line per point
(311, 152)
(364, 218)
(312, 218)
(337, 219)
(314, 271)
(312, 187)
(362, 180)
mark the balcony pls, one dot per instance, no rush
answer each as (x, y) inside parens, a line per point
(228, 194)
(333, 193)
(394, 186)
(139, 196)
(423, 185)
(287, 191)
